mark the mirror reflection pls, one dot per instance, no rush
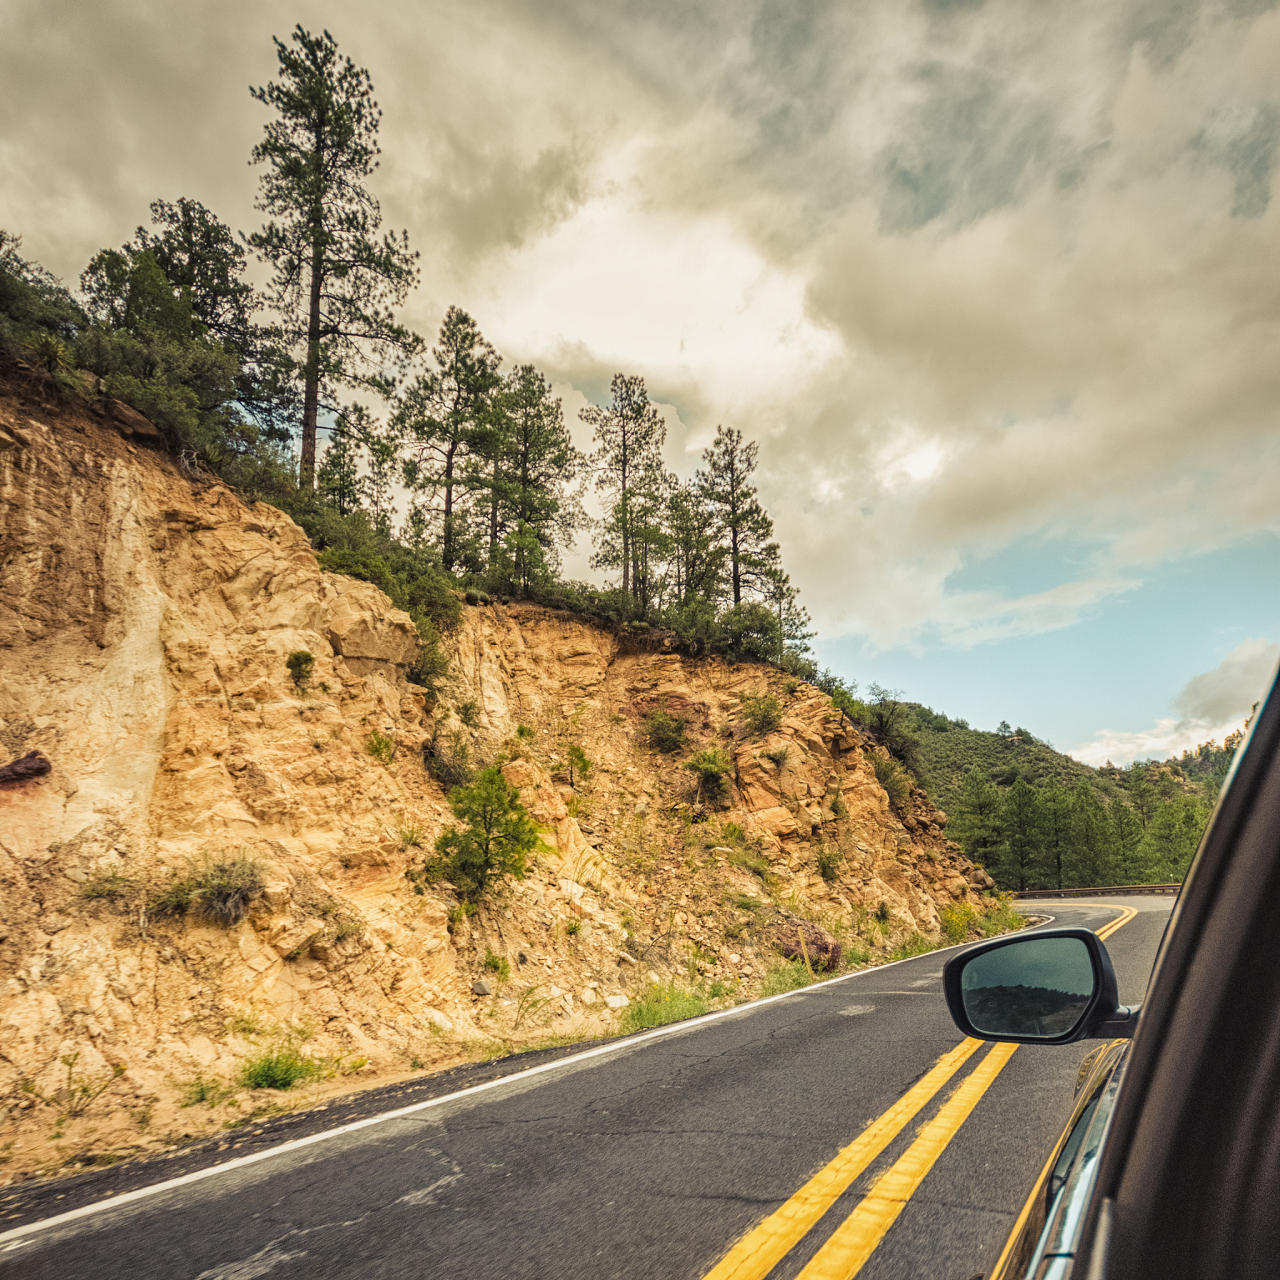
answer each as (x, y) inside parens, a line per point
(1034, 987)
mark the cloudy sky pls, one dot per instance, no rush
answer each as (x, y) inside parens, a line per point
(996, 285)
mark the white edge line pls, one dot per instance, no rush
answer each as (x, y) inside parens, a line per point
(675, 1028)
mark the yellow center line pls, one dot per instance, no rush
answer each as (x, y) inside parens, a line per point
(762, 1248)
(856, 1238)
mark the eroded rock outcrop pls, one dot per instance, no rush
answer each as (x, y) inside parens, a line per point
(146, 617)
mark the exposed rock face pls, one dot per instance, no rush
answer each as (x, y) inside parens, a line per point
(145, 623)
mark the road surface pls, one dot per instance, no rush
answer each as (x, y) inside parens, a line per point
(649, 1157)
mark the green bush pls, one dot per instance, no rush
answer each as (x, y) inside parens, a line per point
(469, 713)
(495, 963)
(665, 733)
(958, 921)
(381, 747)
(472, 597)
(279, 1067)
(711, 768)
(578, 763)
(894, 779)
(779, 757)
(762, 712)
(300, 664)
(829, 860)
(218, 891)
(661, 1003)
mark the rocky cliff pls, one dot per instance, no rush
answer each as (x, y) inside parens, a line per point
(146, 616)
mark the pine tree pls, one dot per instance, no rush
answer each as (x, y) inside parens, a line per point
(1059, 831)
(526, 461)
(335, 283)
(696, 566)
(1093, 861)
(1126, 835)
(754, 559)
(976, 821)
(441, 416)
(1173, 835)
(1021, 866)
(338, 480)
(629, 435)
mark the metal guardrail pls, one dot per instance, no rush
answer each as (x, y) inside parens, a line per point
(1088, 893)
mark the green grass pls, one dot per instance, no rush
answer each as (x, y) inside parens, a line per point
(663, 1002)
(786, 975)
(279, 1068)
(212, 1092)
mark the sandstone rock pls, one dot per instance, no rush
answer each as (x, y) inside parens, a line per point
(481, 988)
(54, 923)
(616, 1002)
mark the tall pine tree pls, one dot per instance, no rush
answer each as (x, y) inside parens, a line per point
(335, 282)
(441, 417)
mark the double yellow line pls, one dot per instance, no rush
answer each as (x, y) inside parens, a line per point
(856, 1239)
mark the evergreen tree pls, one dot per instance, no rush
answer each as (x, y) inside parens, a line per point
(976, 821)
(339, 480)
(335, 281)
(629, 435)
(495, 841)
(441, 416)
(1021, 867)
(527, 460)
(1126, 835)
(1059, 831)
(1143, 793)
(754, 559)
(1173, 836)
(1093, 861)
(696, 567)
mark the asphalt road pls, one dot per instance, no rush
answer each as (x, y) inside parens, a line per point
(646, 1158)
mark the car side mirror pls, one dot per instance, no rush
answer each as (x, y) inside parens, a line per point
(1055, 986)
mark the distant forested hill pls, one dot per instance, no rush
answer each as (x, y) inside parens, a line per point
(950, 748)
(1037, 819)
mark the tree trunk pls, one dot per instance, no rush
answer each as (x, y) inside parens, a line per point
(311, 373)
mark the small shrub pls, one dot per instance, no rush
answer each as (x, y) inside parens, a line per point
(496, 840)
(448, 761)
(829, 860)
(495, 963)
(411, 837)
(300, 664)
(750, 860)
(957, 921)
(718, 989)
(472, 597)
(218, 891)
(665, 732)
(381, 747)
(882, 913)
(710, 767)
(838, 806)
(790, 687)
(779, 757)
(110, 885)
(573, 928)
(469, 713)
(1002, 918)
(894, 779)
(762, 712)
(733, 833)
(280, 1067)
(578, 763)
(485, 598)
(786, 975)
(663, 1002)
(524, 732)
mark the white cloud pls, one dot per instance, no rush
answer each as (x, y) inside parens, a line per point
(1212, 705)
